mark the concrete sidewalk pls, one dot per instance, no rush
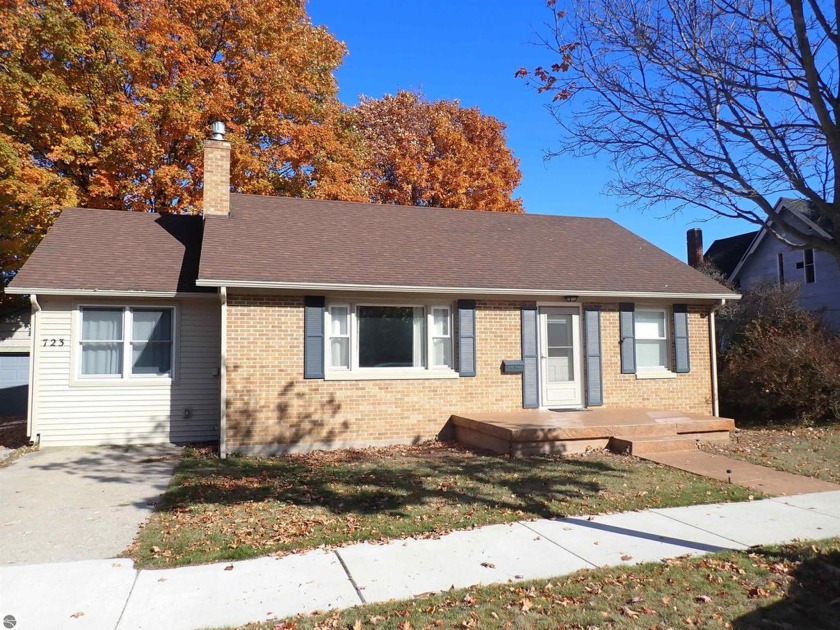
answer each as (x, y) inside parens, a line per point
(767, 480)
(110, 594)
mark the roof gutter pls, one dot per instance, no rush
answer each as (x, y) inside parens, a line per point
(393, 288)
(107, 293)
(33, 357)
(713, 349)
(223, 376)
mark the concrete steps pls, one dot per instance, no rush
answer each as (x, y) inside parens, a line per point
(643, 445)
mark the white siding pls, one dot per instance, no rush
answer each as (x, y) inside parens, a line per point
(68, 412)
(14, 332)
(822, 295)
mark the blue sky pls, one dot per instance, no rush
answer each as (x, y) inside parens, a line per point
(470, 50)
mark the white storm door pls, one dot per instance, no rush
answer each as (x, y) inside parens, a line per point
(560, 357)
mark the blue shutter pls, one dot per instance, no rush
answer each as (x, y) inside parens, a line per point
(627, 328)
(592, 333)
(466, 337)
(313, 336)
(681, 355)
(530, 377)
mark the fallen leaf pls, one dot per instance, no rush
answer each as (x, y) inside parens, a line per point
(76, 615)
(488, 565)
(526, 605)
(702, 599)
(626, 557)
(629, 612)
(229, 567)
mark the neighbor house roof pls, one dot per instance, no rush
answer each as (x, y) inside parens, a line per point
(310, 244)
(726, 253)
(111, 250)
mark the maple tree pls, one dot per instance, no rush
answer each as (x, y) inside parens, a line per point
(436, 153)
(106, 103)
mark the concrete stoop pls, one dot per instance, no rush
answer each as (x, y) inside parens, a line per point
(645, 445)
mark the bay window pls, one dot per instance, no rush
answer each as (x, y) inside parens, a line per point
(119, 343)
(371, 337)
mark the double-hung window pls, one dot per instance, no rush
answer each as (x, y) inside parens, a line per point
(119, 343)
(372, 337)
(651, 332)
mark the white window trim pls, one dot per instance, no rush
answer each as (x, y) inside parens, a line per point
(126, 377)
(653, 372)
(390, 373)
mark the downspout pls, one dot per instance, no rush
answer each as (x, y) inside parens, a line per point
(713, 342)
(30, 404)
(223, 377)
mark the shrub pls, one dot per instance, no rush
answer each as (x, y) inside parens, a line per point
(779, 363)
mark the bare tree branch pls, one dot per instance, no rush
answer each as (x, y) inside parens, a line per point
(723, 105)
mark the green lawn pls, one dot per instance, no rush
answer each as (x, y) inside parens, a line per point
(809, 451)
(245, 507)
(776, 588)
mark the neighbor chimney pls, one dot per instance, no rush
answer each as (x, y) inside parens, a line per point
(694, 240)
(217, 172)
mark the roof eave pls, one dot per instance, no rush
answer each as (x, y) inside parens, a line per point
(383, 288)
(106, 292)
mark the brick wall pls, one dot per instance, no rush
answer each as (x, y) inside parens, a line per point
(270, 404)
(271, 407)
(691, 392)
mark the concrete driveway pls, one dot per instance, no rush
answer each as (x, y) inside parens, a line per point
(61, 504)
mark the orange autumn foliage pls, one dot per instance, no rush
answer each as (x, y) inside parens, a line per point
(105, 103)
(436, 154)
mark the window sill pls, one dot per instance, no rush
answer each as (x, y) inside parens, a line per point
(654, 374)
(385, 374)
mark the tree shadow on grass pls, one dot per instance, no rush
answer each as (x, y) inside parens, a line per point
(813, 598)
(371, 481)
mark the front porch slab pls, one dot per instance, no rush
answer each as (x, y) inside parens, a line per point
(543, 432)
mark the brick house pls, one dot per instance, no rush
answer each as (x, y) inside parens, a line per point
(278, 324)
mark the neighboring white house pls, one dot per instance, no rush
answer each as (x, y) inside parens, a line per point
(762, 258)
(15, 343)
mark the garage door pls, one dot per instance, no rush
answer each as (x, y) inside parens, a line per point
(14, 384)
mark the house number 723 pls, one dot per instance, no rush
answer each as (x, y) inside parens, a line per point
(52, 343)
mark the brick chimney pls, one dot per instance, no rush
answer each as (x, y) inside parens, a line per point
(694, 241)
(216, 173)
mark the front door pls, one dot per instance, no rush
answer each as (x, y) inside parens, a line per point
(560, 357)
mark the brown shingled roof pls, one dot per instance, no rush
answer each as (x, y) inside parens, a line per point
(111, 250)
(289, 240)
